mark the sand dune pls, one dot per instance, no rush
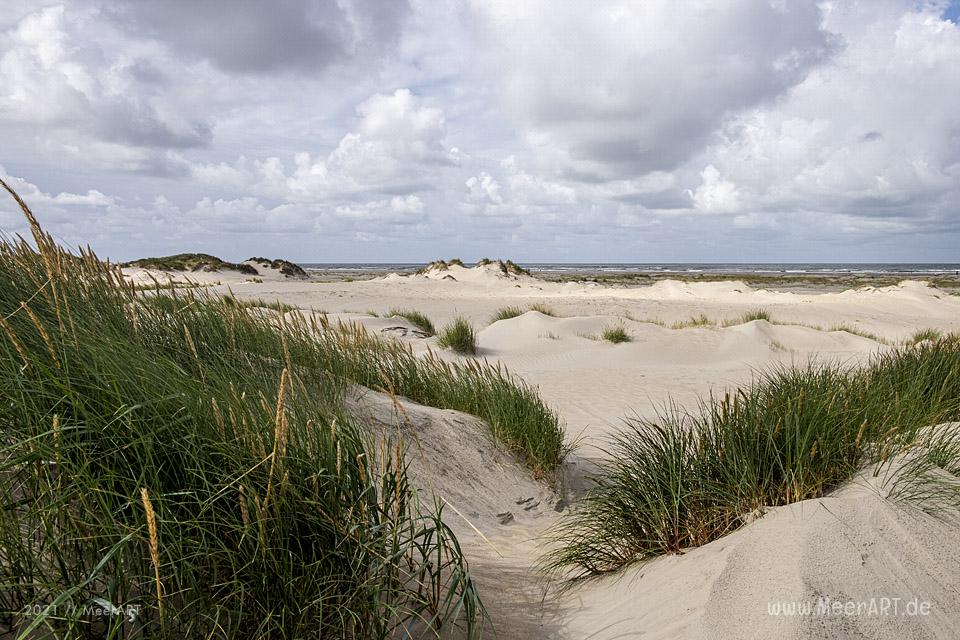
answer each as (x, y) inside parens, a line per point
(852, 545)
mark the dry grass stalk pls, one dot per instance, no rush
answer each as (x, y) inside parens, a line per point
(43, 333)
(279, 431)
(16, 342)
(154, 545)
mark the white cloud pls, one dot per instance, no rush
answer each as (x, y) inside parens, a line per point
(623, 88)
(55, 71)
(376, 215)
(484, 189)
(34, 196)
(873, 135)
(715, 195)
(399, 144)
(406, 204)
(534, 190)
(91, 197)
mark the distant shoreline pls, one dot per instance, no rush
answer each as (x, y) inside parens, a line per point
(782, 277)
(657, 268)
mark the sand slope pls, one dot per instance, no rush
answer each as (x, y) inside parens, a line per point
(855, 545)
(492, 503)
(851, 546)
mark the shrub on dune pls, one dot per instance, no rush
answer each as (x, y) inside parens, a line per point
(507, 267)
(440, 265)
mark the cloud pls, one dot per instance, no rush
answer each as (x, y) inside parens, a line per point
(91, 197)
(407, 204)
(398, 146)
(54, 72)
(484, 189)
(376, 213)
(872, 136)
(748, 129)
(625, 89)
(36, 197)
(249, 36)
(715, 195)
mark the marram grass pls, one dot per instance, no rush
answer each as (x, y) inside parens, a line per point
(695, 321)
(417, 319)
(922, 335)
(616, 334)
(687, 478)
(748, 316)
(459, 337)
(175, 455)
(507, 313)
(518, 418)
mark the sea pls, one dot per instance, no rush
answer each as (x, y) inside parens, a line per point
(906, 269)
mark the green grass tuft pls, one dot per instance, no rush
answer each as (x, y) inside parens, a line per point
(616, 335)
(506, 313)
(517, 417)
(415, 318)
(749, 316)
(695, 321)
(459, 336)
(857, 332)
(543, 308)
(257, 303)
(925, 334)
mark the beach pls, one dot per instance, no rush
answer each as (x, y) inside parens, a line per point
(688, 341)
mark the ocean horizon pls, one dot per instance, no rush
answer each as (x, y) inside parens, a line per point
(726, 268)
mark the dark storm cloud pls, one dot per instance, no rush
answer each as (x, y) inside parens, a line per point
(255, 36)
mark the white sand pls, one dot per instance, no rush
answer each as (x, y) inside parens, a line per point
(852, 545)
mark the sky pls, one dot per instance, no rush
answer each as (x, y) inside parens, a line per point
(538, 130)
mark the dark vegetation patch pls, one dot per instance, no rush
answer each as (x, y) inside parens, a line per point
(191, 262)
(287, 268)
